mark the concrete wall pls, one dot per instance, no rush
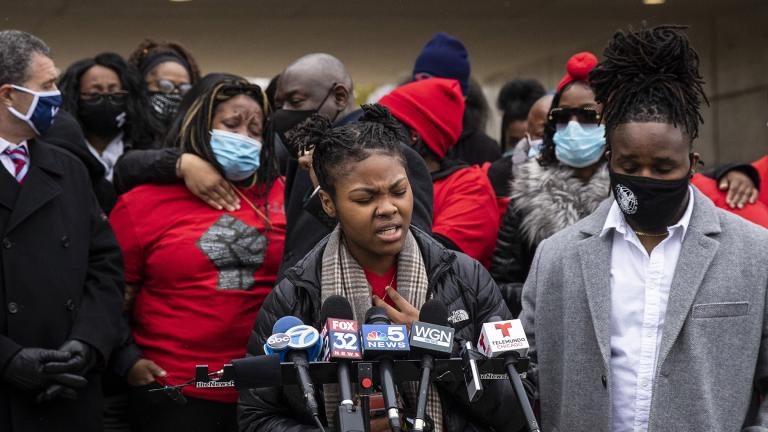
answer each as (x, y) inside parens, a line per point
(379, 41)
(734, 62)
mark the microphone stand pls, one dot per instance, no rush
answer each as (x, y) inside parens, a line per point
(522, 396)
(365, 372)
(365, 406)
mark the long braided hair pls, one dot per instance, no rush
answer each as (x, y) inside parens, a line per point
(650, 75)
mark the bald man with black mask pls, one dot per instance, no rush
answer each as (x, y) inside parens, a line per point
(319, 83)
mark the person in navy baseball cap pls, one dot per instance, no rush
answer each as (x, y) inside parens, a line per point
(443, 57)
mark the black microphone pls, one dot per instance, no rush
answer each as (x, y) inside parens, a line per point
(431, 337)
(303, 346)
(257, 371)
(383, 341)
(341, 343)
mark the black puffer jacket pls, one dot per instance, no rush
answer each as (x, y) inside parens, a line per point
(460, 282)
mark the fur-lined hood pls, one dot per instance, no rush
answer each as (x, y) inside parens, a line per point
(550, 198)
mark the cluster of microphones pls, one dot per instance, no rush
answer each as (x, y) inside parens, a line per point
(344, 353)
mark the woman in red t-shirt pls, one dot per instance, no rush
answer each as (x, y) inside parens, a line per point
(195, 276)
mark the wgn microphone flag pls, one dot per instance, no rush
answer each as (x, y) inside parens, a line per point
(431, 337)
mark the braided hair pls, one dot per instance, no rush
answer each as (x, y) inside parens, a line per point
(650, 75)
(377, 132)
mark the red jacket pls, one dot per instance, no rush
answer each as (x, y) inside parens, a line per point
(756, 213)
(466, 212)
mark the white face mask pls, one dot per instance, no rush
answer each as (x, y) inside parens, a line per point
(42, 110)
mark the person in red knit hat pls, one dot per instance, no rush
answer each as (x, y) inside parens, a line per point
(465, 216)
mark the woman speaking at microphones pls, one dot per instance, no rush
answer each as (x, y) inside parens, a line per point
(374, 257)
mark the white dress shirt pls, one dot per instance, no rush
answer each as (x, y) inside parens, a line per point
(640, 285)
(6, 159)
(110, 155)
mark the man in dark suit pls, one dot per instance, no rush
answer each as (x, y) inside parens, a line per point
(60, 265)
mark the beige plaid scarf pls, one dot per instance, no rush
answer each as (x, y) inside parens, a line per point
(342, 275)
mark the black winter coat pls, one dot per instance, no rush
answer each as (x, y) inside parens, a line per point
(511, 260)
(475, 148)
(67, 134)
(460, 282)
(545, 200)
(60, 278)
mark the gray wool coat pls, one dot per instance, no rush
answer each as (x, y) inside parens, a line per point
(714, 347)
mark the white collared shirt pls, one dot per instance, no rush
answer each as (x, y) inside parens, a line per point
(640, 285)
(110, 155)
(6, 159)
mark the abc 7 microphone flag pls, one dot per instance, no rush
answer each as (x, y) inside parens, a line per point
(300, 337)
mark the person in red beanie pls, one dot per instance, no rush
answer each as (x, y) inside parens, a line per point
(465, 216)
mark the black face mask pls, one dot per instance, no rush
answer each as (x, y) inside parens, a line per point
(103, 118)
(649, 204)
(165, 106)
(284, 120)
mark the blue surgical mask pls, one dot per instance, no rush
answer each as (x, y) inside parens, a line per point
(535, 148)
(579, 145)
(237, 154)
(41, 111)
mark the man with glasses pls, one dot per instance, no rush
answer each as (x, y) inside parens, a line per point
(61, 278)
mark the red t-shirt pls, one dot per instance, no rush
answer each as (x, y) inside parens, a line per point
(466, 212)
(379, 284)
(202, 275)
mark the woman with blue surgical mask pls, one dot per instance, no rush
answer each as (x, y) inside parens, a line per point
(196, 276)
(564, 183)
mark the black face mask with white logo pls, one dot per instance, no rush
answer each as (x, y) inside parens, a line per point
(649, 204)
(102, 118)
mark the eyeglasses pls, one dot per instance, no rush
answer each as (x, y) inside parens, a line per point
(582, 115)
(115, 98)
(168, 86)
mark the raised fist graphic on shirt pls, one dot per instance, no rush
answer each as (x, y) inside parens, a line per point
(236, 249)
